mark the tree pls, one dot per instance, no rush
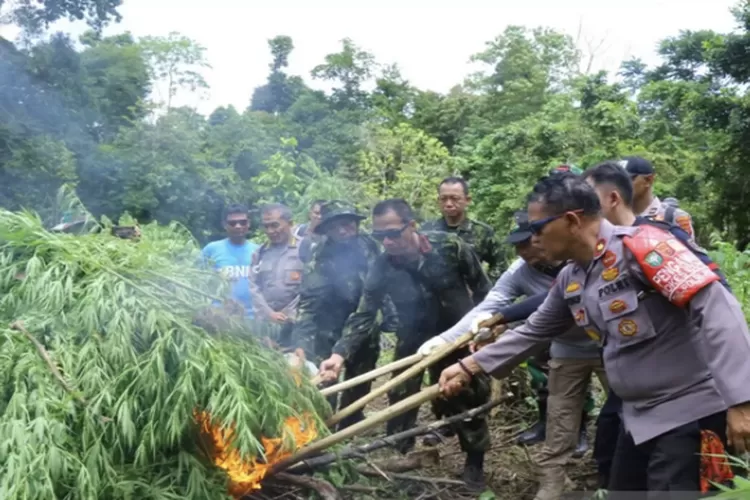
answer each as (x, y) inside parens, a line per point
(402, 162)
(348, 70)
(281, 91)
(35, 16)
(176, 62)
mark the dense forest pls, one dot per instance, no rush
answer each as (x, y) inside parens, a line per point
(82, 112)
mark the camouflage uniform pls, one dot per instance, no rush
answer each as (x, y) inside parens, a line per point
(482, 239)
(430, 294)
(331, 288)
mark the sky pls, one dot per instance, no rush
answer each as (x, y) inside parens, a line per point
(431, 41)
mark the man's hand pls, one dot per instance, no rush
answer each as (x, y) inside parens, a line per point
(331, 368)
(476, 321)
(738, 427)
(432, 344)
(474, 346)
(453, 380)
(278, 317)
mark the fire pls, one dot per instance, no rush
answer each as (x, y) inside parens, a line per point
(247, 476)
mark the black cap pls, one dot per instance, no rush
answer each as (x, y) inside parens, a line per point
(522, 231)
(635, 165)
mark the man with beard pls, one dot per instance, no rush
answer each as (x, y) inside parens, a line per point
(573, 358)
(433, 279)
(332, 286)
(675, 341)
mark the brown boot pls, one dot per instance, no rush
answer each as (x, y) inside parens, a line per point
(552, 483)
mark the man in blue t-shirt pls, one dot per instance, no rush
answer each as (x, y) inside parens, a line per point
(232, 256)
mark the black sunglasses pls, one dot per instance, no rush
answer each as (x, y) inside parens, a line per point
(389, 233)
(537, 226)
(233, 223)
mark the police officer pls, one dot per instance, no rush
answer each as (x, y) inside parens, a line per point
(675, 349)
(645, 203)
(276, 275)
(615, 191)
(454, 198)
(573, 360)
(332, 286)
(434, 279)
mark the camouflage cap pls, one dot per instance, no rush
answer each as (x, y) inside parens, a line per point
(336, 209)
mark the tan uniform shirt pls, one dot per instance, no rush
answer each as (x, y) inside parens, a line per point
(275, 279)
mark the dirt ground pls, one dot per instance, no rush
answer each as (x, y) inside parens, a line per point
(509, 468)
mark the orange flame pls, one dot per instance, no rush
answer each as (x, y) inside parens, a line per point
(247, 476)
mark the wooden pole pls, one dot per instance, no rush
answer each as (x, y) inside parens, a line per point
(371, 375)
(416, 369)
(383, 442)
(414, 401)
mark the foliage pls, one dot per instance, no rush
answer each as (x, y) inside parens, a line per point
(117, 318)
(374, 134)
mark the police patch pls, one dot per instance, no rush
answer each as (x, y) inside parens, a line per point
(593, 334)
(573, 287)
(653, 259)
(610, 274)
(617, 306)
(664, 249)
(627, 327)
(609, 258)
(580, 316)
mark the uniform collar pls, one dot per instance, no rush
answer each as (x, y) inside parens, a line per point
(463, 225)
(603, 239)
(653, 207)
(291, 244)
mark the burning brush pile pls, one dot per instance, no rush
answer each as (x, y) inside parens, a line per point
(112, 389)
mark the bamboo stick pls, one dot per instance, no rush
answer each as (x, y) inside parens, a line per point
(414, 401)
(435, 356)
(416, 369)
(383, 442)
(373, 374)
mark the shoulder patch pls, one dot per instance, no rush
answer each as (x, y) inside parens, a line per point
(671, 267)
(685, 223)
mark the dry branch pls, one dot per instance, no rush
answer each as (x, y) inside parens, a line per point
(321, 487)
(18, 326)
(416, 460)
(356, 451)
(408, 477)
